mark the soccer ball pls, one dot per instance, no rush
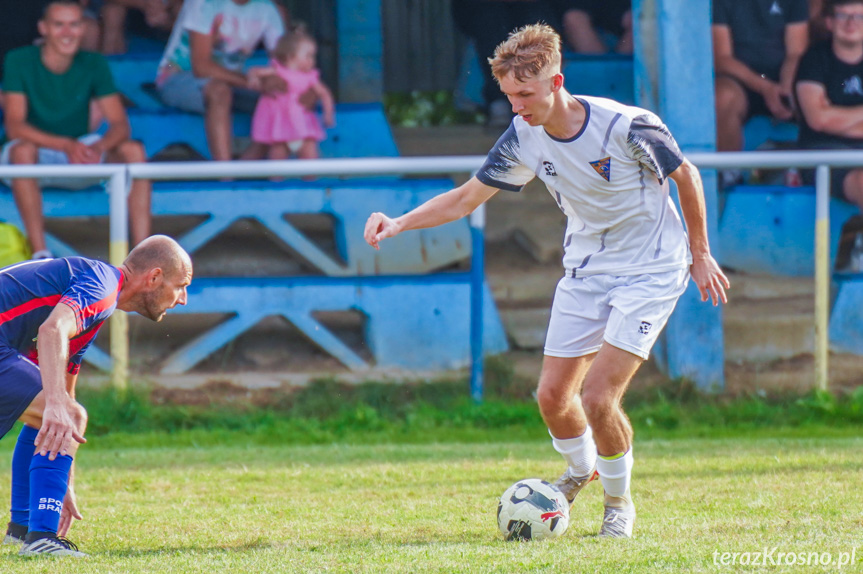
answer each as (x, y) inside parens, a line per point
(532, 509)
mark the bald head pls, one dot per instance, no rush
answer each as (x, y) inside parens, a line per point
(159, 251)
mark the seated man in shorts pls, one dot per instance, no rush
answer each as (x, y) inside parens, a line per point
(757, 45)
(48, 91)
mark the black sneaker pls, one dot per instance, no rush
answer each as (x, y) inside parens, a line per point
(15, 534)
(50, 545)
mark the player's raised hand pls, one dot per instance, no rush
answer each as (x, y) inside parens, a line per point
(70, 511)
(379, 227)
(710, 279)
(58, 430)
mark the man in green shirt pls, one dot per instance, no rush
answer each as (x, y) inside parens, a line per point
(48, 93)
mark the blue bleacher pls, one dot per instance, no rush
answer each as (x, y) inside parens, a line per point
(386, 288)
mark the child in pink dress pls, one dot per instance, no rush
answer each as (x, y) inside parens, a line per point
(281, 122)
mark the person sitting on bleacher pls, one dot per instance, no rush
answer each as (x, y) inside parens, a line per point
(590, 27)
(48, 92)
(757, 45)
(202, 68)
(156, 16)
(829, 91)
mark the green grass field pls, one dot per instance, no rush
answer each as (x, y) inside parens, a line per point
(246, 508)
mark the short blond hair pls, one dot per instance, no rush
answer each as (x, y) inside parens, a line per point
(532, 51)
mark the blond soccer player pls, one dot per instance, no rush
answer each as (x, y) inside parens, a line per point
(627, 257)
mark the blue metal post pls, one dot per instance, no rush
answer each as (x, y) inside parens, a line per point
(360, 34)
(674, 78)
(477, 277)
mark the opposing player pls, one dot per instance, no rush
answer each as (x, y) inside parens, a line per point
(627, 256)
(50, 312)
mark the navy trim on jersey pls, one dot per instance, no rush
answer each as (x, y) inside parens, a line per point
(583, 125)
(500, 159)
(654, 146)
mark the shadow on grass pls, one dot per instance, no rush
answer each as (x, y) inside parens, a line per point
(155, 552)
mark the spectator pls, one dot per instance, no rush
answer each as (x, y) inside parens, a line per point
(829, 90)
(590, 27)
(92, 38)
(488, 23)
(817, 27)
(757, 45)
(157, 15)
(202, 68)
(281, 123)
(48, 94)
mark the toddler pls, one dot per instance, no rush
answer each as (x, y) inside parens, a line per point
(281, 122)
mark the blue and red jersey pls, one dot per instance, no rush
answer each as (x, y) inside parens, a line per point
(29, 291)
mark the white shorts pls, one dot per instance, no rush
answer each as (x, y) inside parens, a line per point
(627, 312)
(49, 156)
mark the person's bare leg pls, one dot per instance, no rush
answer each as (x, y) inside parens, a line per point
(731, 110)
(309, 150)
(278, 151)
(217, 119)
(602, 394)
(113, 29)
(140, 195)
(580, 33)
(852, 187)
(92, 38)
(558, 395)
(28, 196)
(256, 150)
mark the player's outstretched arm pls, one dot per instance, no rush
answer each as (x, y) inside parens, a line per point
(705, 271)
(449, 206)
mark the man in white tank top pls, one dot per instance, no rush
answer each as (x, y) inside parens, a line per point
(627, 257)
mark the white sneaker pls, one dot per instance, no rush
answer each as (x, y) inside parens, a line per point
(619, 517)
(570, 485)
(54, 546)
(10, 540)
(15, 534)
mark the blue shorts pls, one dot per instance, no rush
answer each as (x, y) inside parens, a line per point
(184, 91)
(20, 382)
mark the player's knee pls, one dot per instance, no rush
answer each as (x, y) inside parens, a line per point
(80, 417)
(132, 151)
(552, 400)
(218, 94)
(730, 99)
(597, 405)
(24, 153)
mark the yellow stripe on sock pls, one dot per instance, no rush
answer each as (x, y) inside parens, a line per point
(613, 457)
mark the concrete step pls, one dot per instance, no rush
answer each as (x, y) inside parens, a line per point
(768, 329)
(526, 328)
(744, 286)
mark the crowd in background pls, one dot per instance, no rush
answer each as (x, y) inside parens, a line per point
(792, 60)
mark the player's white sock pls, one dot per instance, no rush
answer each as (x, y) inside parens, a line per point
(615, 472)
(579, 452)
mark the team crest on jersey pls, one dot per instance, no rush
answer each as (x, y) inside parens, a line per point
(603, 167)
(549, 168)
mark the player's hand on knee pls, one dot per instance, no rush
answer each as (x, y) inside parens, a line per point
(70, 512)
(379, 227)
(58, 430)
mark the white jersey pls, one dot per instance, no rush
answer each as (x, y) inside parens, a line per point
(610, 180)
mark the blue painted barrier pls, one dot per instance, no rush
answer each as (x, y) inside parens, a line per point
(604, 75)
(847, 315)
(419, 321)
(412, 322)
(770, 229)
(361, 130)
